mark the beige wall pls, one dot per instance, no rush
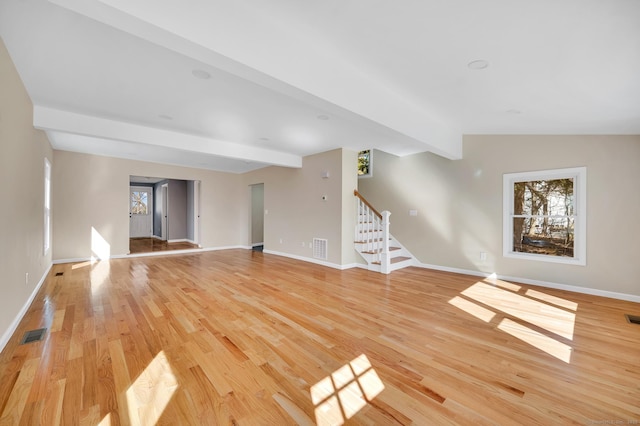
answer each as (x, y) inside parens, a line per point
(93, 192)
(22, 153)
(296, 211)
(459, 205)
(349, 209)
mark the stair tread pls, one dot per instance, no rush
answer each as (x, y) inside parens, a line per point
(374, 252)
(394, 260)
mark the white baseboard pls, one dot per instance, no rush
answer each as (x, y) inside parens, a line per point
(152, 253)
(8, 333)
(547, 284)
(312, 260)
(257, 244)
(179, 240)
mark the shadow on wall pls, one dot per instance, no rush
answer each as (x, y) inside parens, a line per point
(449, 228)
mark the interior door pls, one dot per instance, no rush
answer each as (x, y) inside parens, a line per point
(140, 212)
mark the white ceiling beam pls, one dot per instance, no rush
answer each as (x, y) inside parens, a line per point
(51, 119)
(245, 41)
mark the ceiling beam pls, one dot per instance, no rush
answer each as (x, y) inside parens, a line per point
(50, 119)
(261, 48)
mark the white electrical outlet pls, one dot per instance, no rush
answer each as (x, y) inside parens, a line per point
(26, 278)
(483, 255)
(413, 212)
(303, 244)
(280, 240)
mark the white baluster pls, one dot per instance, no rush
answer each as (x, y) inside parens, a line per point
(385, 258)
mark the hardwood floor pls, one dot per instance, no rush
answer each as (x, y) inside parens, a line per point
(146, 245)
(242, 337)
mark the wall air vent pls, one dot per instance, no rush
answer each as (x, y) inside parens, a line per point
(320, 248)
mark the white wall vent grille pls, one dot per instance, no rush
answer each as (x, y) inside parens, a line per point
(320, 248)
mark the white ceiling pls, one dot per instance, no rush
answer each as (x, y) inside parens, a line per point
(292, 78)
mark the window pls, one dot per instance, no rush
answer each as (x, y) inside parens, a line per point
(545, 215)
(47, 205)
(139, 202)
(364, 163)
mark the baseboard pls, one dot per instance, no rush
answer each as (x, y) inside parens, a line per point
(6, 336)
(547, 284)
(312, 260)
(149, 254)
(257, 244)
(179, 240)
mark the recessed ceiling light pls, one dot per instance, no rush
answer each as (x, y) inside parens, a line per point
(478, 64)
(323, 117)
(514, 111)
(201, 74)
(165, 117)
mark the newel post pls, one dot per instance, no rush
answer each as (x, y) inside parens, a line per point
(385, 259)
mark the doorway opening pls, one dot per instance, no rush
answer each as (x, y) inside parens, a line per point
(164, 214)
(257, 216)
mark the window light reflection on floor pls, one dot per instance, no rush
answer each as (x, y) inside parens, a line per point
(150, 394)
(346, 391)
(539, 319)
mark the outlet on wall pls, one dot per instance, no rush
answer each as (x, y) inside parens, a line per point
(483, 255)
(26, 278)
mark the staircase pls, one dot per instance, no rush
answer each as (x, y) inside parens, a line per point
(373, 241)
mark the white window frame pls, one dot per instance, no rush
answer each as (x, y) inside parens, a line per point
(47, 207)
(579, 174)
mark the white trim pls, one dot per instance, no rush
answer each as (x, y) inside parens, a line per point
(47, 208)
(151, 253)
(257, 244)
(180, 240)
(579, 174)
(8, 333)
(312, 260)
(547, 284)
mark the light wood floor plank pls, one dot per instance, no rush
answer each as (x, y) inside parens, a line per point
(241, 337)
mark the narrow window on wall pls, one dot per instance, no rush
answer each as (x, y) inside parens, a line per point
(545, 215)
(47, 205)
(365, 164)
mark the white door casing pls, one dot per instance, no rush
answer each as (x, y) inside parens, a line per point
(164, 213)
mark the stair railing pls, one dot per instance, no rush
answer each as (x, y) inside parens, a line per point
(372, 231)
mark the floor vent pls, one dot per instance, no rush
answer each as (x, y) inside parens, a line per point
(320, 248)
(633, 319)
(33, 336)
(59, 274)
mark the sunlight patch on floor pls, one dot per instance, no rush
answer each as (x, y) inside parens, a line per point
(543, 320)
(150, 394)
(535, 312)
(539, 340)
(339, 396)
(471, 308)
